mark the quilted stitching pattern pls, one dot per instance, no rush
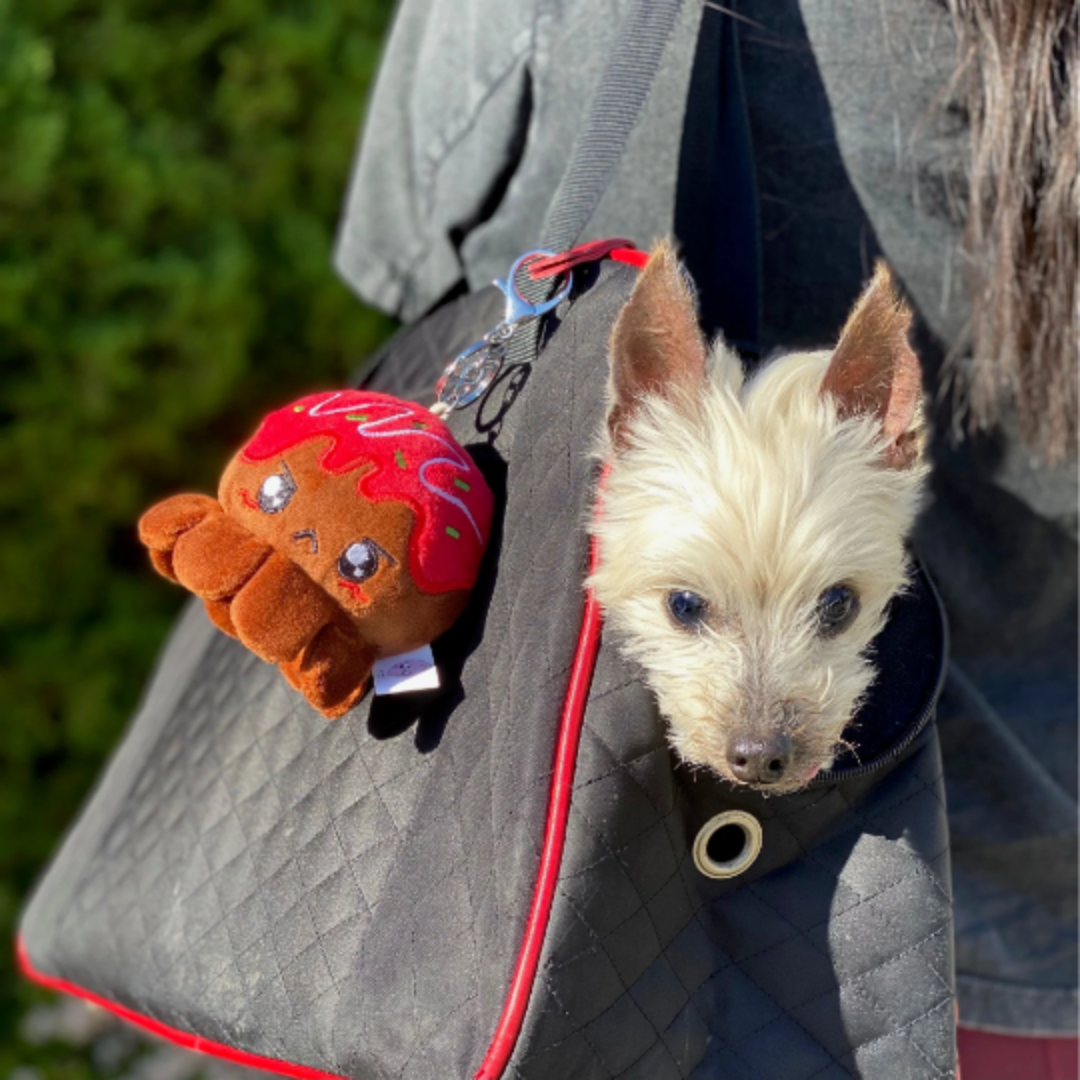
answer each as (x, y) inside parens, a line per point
(835, 964)
(351, 896)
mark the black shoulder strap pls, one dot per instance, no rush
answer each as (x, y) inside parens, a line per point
(716, 214)
(622, 91)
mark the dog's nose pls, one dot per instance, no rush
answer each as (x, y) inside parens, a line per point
(760, 759)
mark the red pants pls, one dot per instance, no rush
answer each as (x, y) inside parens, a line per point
(986, 1056)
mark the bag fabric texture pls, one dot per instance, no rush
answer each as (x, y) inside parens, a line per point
(349, 899)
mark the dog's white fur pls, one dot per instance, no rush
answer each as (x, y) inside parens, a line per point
(758, 495)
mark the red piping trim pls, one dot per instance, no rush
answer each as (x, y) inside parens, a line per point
(546, 266)
(174, 1035)
(521, 983)
(630, 256)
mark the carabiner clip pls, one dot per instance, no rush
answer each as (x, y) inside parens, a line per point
(471, 372)
(518, 308)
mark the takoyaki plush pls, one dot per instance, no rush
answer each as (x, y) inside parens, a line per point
(351, 527)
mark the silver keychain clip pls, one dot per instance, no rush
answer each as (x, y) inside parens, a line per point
(471, 372)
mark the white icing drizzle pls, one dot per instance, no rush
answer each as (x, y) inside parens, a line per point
(459, 460)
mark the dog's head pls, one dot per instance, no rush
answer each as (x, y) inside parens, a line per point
(752, 532)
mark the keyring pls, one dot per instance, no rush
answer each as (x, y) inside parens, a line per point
(472, 371)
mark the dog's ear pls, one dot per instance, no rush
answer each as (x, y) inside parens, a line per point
(874, 371)
(656, 343)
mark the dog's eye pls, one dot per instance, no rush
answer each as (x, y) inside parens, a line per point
(687, 608)
(276, 491)
(836, 609)
(361, 559)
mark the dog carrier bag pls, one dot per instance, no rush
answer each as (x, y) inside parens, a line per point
(512, 876)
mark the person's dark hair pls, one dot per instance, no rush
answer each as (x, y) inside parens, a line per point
(1017, 78)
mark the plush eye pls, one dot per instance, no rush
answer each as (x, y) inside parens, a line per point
(687, 608)
(836, 609)
(361, 559)
(276, 491)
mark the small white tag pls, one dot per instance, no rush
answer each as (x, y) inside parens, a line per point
(406, 672)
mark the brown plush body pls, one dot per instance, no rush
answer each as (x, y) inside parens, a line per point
(267, 556)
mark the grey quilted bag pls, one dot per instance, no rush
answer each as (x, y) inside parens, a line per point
(357, 898)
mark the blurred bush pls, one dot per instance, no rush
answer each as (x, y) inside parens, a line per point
(170, 176)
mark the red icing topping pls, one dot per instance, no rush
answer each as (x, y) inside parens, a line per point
(416, 461)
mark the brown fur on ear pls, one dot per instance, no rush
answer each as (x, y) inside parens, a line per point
(656, 342)
(874, 371)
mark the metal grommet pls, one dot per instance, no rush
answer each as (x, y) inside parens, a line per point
(727, 845)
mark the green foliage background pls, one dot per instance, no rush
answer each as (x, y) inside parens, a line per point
(170, 176)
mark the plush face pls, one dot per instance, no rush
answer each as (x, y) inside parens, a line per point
(373, 499)
(752, 534)
(357, 550)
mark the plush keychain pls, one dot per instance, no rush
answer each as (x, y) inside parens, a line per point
(350, 528)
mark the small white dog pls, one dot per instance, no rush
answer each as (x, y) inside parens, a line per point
(752, 531)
